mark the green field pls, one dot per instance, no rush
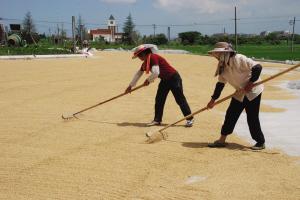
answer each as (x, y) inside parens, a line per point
(32, 50)
(272, 52)
(266, 51)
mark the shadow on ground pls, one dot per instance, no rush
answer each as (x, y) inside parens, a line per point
(230, 146)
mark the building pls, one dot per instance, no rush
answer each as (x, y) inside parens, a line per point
(109, 35)
(265, 33)
(282, 33)
(219, 34)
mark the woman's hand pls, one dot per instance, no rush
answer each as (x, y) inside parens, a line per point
(128, 89)
(211, 104)
(249, 87)
(146, 82)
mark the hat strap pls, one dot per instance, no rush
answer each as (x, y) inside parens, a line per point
(223, 63)
(148, 63)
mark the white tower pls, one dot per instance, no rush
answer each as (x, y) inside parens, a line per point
(112, 26)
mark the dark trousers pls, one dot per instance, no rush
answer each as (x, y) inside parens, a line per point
(252, 110)
(175, 85)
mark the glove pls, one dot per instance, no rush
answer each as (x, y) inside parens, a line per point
(128, 89)
(211, 104)
(146, 82)
(249, 87)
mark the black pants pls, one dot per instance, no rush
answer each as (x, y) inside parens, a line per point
(252, 109)
(175, 85)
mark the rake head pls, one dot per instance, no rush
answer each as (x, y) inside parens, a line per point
(156, 136)
(68, 117)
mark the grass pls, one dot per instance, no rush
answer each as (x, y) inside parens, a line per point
(33, 50)
(266, 51)
(273, 52)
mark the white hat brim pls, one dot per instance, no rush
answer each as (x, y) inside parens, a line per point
(221, 50)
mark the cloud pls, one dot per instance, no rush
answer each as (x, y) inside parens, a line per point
(120, 1)
(225, 6)
(197, 6)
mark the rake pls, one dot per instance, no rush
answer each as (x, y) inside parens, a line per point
(158, 134)
(71, 116)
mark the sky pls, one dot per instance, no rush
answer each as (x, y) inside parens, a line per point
(205, 16)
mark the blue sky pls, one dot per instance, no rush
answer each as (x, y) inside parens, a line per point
(205, 16)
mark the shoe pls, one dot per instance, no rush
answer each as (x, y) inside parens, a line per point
(154, 123)
(189, 123)
(217, 144)
(258, 146)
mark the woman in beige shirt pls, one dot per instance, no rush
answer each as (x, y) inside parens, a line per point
(241, 73)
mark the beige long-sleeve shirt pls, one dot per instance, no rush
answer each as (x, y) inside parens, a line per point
(238, 73)
(151, 78)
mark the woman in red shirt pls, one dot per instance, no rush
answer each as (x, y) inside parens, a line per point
(170, 80)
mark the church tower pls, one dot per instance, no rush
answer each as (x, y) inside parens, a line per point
(112, 26)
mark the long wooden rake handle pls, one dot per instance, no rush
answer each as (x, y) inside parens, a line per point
(278, 74)
(192, 114)
(103, 102)
(222, 100)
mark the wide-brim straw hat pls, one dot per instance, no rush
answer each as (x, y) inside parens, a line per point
(139, 49)
(222, 47)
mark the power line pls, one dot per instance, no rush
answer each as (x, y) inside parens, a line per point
(158, 25)
(224, 22)
(268, 17)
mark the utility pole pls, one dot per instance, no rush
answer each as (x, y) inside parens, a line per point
(81, 35)
(58, 38)
(293, 35)
(62, 31)
(169, 33)
(6, 34)
(154, 27)
(73, 34)
(235, 27)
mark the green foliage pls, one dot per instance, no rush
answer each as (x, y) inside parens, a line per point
(28, 24)
(30, 38)
(269, 51)
(129, 32)
(191, 37)
(32, 50)
(297, 39)
(158, 39)
(28, 32)
(272, 38)
(258, 49)
(266, 51)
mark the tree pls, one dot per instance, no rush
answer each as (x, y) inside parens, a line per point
(81, 30)
(136, 36)
(28, 25)
(297, 39)
(158, 39)
(128, 29)
(272, 38)
(191, 37)
(29, 30)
